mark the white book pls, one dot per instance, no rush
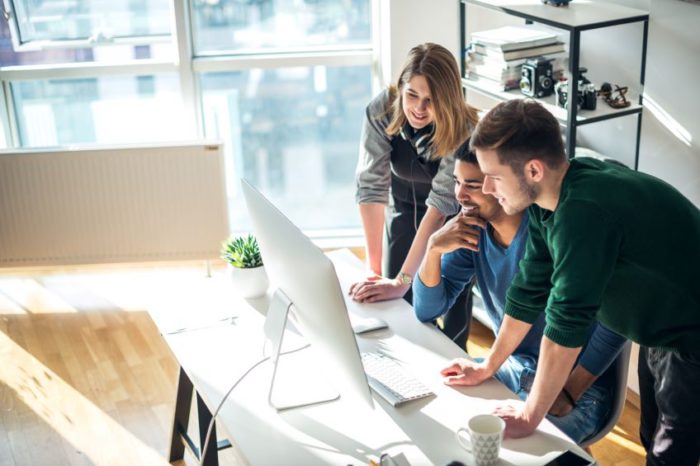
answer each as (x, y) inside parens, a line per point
(519, 53)
(497, 62)
(495, 72)
(496, 84)
(513, 38)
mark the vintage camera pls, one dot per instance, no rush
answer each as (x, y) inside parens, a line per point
(536, 77)
(586, 98)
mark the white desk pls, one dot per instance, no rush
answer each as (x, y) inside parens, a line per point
(341, 432)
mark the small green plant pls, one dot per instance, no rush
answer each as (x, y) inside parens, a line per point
(242, 252)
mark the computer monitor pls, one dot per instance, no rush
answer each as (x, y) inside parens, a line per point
(306, 277)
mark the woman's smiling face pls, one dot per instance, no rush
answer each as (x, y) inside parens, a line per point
(417, 102)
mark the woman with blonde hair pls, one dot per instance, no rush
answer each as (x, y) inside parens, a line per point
(410, 134)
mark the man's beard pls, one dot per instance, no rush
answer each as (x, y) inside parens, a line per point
(529, 192)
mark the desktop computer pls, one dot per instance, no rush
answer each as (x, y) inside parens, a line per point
(308, 289)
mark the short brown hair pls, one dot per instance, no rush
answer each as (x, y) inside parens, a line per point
(520, 130)
(454, 118)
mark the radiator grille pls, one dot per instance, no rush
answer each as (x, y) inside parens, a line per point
(112, 205)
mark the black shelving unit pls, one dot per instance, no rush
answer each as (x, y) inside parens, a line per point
(574, 18)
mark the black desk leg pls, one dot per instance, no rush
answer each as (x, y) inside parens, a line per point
(211, 456)
(180, 438)
(183, 402)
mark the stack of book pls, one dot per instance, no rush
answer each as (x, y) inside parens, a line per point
(496, 56)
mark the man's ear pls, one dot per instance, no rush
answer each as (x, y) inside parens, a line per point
(534, 170)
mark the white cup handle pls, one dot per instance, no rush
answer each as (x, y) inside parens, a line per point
(464, 440)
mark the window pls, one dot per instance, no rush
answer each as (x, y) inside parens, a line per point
(292, 132)
(283, 83)
(240, 26)
(111, 110)
(48, 23)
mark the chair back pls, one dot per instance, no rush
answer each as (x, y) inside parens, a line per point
(621, 367)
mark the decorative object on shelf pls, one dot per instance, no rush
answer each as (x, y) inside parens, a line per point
(587, 94)
(242, 253)
(536, 78)
(616, 98)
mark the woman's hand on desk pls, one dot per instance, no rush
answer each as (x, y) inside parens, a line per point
(466, 372)
(376, 289)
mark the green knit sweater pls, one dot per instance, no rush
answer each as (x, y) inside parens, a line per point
(622, 247)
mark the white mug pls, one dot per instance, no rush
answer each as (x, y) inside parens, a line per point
(482, 437)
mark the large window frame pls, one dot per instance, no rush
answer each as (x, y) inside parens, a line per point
(11, 16)
(188, 66)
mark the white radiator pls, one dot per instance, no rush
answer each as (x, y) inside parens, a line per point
(106, 205)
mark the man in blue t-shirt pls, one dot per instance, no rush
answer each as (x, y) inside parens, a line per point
(484, 241)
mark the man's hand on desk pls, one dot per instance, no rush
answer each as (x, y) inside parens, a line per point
(376, 289)
(466, 372)
(517, 423)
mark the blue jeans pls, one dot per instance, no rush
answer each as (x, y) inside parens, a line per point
(584, 421)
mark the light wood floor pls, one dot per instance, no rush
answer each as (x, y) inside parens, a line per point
(85, 378)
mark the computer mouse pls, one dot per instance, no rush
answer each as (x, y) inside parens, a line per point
(368, 324)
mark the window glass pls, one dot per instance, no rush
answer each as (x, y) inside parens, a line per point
(44, 20)
(293, 133)
(237, 26)
(112, 110)
(101, 53)
(3, 138)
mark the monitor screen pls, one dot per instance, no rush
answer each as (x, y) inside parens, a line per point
(308, 279)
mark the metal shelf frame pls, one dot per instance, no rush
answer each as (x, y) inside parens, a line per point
(610, 16)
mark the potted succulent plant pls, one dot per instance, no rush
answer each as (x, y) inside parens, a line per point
(243, 255)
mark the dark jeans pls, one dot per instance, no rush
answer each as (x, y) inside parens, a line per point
(669, 391)
(399, 233)
(456, 322)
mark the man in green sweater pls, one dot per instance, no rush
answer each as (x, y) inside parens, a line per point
(606, 243)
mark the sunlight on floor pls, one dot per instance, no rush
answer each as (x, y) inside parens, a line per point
(69, 413)
(620, 437)
(28, 295)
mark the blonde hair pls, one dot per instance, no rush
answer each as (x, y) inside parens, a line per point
(454, 118)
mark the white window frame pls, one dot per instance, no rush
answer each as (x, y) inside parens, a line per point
(188, 67)
(99, 39)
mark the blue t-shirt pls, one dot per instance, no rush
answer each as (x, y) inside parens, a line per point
(495, 267)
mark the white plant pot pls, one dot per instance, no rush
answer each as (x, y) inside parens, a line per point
(249, 283)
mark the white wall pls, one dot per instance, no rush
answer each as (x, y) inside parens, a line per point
(410, 24)
(670, 140)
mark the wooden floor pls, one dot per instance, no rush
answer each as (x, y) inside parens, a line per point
(86, 379)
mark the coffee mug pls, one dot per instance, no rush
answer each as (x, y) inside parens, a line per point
(482, 437)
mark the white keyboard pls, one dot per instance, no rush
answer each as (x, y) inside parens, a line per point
(391, 381)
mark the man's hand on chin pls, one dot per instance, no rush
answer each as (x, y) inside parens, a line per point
(517, 425)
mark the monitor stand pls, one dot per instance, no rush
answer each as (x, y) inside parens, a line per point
(300, 381)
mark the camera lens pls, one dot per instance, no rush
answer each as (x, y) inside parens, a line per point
(525, 84)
